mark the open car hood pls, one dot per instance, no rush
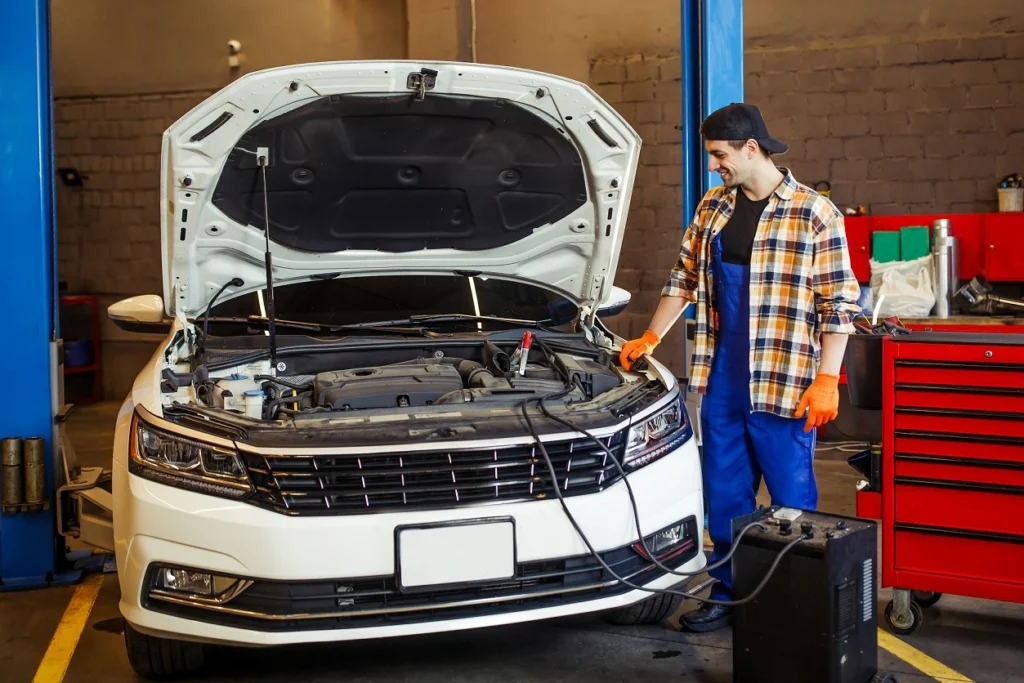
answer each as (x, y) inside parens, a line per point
(395, 167)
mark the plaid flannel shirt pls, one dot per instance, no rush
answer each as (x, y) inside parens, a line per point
(801, 285)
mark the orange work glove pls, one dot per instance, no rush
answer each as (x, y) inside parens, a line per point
(820, 401)
(632, 350)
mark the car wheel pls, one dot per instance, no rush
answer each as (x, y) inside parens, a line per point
(650, 611)
(153, 657)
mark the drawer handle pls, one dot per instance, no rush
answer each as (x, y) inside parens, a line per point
(962, 533)
(960, 462)
(961, 486)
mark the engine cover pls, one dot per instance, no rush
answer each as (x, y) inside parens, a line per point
(385, 387)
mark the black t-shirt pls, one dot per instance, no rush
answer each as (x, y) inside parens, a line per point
(738, 234)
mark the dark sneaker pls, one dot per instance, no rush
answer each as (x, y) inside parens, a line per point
(707, 618)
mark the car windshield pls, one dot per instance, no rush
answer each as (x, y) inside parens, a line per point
(377, 298)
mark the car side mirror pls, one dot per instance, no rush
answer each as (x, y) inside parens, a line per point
(617, 302)
(143, 313)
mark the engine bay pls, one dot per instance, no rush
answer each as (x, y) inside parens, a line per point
(482, 373)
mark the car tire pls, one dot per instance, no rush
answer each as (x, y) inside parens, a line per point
(653, 610)
(153, 657)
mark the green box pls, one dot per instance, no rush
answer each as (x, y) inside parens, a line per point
(885, 246)
(914, 242)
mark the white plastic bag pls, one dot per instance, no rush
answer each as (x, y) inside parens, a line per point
(906, 287)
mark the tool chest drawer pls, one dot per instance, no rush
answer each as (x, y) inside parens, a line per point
(1009, 353)
(959, 505)
(964, 421)
(957, 470)
(968, 399)
(959, 375)
(950, 447)
(964, 556)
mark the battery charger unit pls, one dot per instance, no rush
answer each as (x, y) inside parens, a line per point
(815, 620)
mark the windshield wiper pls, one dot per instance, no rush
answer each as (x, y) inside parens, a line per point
(457, 318)
(258, 320)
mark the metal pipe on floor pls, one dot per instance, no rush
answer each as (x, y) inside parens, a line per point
(13, 489)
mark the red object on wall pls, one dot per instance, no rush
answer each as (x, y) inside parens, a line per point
(858, 241)
(991, 244)
(93, 303)
(1004, 247)
(952, 484)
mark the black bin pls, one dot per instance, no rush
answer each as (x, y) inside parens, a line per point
(863, 362)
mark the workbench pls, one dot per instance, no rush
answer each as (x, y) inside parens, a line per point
(967, 323)
(951, 485)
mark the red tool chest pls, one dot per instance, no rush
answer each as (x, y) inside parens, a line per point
(991, 244)
(952, 475)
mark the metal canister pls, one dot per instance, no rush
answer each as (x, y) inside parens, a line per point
(13, 491)
(940, 229)
(35, 457)
(946, 262)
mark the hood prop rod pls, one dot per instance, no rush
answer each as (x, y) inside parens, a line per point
(263, 160)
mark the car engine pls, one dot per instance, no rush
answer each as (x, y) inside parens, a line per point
(414, 383)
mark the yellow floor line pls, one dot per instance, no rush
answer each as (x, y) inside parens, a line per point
(919, 660)
(65, 639)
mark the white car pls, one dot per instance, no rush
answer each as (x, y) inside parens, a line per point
(348, 458)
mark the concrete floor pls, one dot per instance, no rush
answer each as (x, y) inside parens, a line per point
(981, 640)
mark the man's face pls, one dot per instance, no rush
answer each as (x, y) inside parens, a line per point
(734, 166)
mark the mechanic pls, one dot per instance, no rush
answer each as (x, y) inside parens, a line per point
(766, 262)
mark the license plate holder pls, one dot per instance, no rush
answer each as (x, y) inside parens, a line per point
(454, 554)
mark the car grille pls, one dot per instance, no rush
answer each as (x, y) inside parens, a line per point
(354, 603)
(376, 482)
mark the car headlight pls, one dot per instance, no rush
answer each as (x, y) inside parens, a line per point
(177, 461)
(657, 435)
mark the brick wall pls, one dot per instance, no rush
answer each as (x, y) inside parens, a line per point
(899, 128)
(647, 92)
(108, 230)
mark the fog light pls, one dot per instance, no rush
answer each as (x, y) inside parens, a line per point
(666, 543)
(666, 539)
(185, 581)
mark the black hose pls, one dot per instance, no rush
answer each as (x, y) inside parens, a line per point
(284, 383)
(297, 398)
(632, 499)
(271, 408)
(600, 560)
(496, 360)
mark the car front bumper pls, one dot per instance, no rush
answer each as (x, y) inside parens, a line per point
(157, 525)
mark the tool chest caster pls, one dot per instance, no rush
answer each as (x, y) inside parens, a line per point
(903, 614)
(882, 677)
(927, 599)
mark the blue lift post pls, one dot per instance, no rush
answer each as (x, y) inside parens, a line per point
(721, 63)
(30, 553)
(712, 63)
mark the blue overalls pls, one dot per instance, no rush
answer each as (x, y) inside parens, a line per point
(741, 446)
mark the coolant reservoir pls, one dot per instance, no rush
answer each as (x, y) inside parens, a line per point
(254, 403)
(229, 392)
